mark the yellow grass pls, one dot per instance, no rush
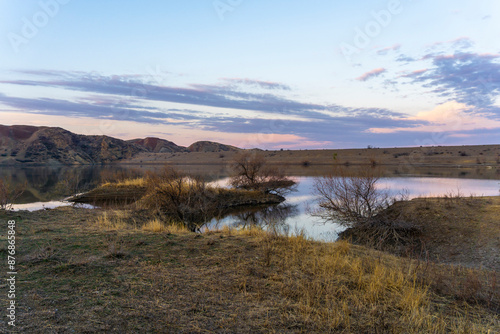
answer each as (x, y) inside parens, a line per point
(137, 182)
(112, 220)
(231, 280)
(342, 286)
(158, 226)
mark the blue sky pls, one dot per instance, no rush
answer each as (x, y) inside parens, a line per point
(269, 74)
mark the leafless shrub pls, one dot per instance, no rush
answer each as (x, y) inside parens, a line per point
(350, 198)
(9, 194)
(182, 198)
(353, 199)
(252, 173)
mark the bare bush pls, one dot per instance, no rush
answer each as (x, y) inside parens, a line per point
(182, 198)
(9, 194)
(350, 198)
(252, 173)
(353, 199)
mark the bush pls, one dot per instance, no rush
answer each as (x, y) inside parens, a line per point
(182, 198)
(8, 194)
(252, 173)
(353, 199)
(350, 198)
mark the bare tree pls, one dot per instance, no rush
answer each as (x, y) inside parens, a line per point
(252, 173)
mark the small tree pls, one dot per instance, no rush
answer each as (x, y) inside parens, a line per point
(252, 173)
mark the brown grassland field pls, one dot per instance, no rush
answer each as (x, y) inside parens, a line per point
(450, 156)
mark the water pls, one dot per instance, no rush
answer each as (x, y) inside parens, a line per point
(47, 188)
(48, 205)
(294, 214)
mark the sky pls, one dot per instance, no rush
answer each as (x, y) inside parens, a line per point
(269, 74)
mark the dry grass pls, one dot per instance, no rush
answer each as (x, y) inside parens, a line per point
(337, 286)
(112, 220)
(408, 157)
(238, 281)
(159, 226)
(135, 182)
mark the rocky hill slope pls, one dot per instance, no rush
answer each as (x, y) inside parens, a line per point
(22, 144)
(157, 145)
(210, 146)
(30, 144)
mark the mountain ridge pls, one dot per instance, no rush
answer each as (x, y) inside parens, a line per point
(26, 144)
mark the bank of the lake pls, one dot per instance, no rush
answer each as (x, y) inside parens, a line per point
(112, 271)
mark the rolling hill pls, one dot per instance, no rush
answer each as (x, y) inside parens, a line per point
(22, 144)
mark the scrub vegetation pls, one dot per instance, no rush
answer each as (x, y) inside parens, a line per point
(120, 272)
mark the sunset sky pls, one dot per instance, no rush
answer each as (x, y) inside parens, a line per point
(254, 73)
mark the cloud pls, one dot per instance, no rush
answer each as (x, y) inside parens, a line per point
(280, 121)
(202, 95)
(404, 58)
(384, 51)
(334, 124)
(110, 109)
(415, 73)
(454, 44)
(448, 117)
(261, 84)
(470, 78)
(371, 74)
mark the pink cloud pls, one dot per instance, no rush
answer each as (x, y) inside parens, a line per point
(447, 117)
(383, 51)
(371, 74)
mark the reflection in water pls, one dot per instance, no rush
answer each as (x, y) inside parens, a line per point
(268, 217)
(433, 187)
(298, 219)
(290, 217)
(48, 184)
(49, 205)
(45, 184)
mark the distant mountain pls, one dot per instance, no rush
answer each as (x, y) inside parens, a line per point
(50, 145)
(210, 146)
(31, 144)
(157, 145)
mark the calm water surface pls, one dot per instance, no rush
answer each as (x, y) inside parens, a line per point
(293, 216)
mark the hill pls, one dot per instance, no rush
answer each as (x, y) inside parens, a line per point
(23, 144)
(210, 146)
(157, 145)
(48, 145)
